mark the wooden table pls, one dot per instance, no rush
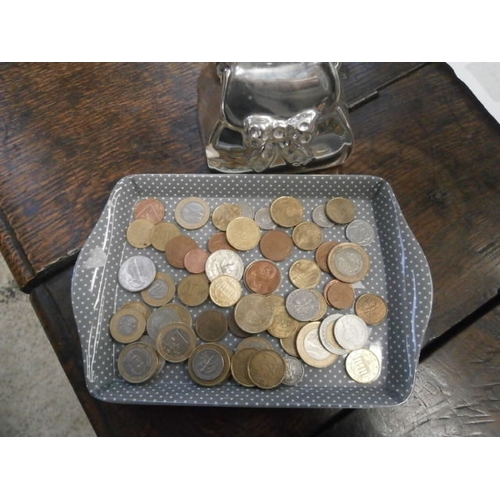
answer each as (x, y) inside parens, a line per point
(69, 132)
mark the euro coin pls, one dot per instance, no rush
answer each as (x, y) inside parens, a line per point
(243, 233)
(286, 211)
(239, 366)
(127, 325)
(150, 209)
(137, 362)
(176, 342)
(193, 290)
(263, 277)
(225, 291)
(307, 236)
(224, 214)
(192, 213)
(340, 210)
(162, 233)
(211, 325)
(349, 262)
(253, 313)
(304, 273)
(160, 292)
(310, 349)
(209, 364)
(266, 369)
(363, 366)
(138, 233)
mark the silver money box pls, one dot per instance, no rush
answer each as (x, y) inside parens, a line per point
(256, 117)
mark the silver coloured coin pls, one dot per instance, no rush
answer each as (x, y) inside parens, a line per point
(328, 341)
(360, 232)
(224, 262)
(208, 364)
(351, 332)
(263, 219)
(246, 209)
(159, 318)
(363, 366)
(302, 304)
(136, 273)
(320, 218)
(294, 371)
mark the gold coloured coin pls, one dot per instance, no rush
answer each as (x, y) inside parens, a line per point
(181, 312)
(234, 328)
(323, 305)
(160, 292)
(371, 308)
(127, 325)
(266, 369)
(176, 342)
(243, 233)
(253, 313)
(239, 366)
(289, 344)
(304, 273)
(162, 233)
(307, 236)
(193, 290)
(225, 291)
(211, 325)
(340, 210)
(139, 306)
(286, 211)
(283, 324)
(310, 348)
(363, 366)
(224, 214)
(252, 342)
(137, 362)
(209, 364)
(349, 262)
(192, 213)
(138, 233)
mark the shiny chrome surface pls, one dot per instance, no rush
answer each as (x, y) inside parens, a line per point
(264, 116)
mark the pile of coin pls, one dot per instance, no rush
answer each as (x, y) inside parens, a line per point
(306, 333)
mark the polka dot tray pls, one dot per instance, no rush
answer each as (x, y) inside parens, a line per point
(399, 273)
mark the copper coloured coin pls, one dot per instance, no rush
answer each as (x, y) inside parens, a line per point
(219, 242)
(263, 277)
(321, 255)
(150, 209)
(276, 245)
(177, 248)
(339, 295)
(195, 259)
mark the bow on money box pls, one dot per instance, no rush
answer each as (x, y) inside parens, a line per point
(256, 117)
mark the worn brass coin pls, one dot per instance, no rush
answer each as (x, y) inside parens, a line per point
(219, 242)
(294, 371)
(304, 273)
(276, 245)
(307, 236)
(225, 291)
(195, 260)
(224, 262)
(234, 328)
(137, 362)
(146, 339)
(243, 233)
(193, 290)
(363, 366)
(349, 262)
(177, 248)
(262, 276)
(160, 292)
(176, 342)
(286, 211)
(283, 324)
(266, 369)
(289, 344)
(371, 308)
(211, 325)
(138, 233)
(263, 219)
(183, 314)
(302, 304)
(150, 209)
(252, 342)
(239, 366)
(224, 214)
(209, 364)
(253, 313)
(339, 295)
(127, 325)
(340, 210)
(162, 233)
(192, 213)
(160, 318)
(139, 306)
(321, 254)
(310, 348)
(136, 273)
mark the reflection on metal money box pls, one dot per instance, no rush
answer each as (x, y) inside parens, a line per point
(256, 117)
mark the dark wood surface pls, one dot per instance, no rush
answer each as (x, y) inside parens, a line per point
(71, 131)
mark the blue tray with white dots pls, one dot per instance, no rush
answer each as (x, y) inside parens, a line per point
(399, 273)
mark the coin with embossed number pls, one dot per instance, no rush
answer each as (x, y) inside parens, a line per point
(307, 235)
(262, 276)
(225, 291)
(239, 366)
(254, 313)
(193, 290)
(127, 325)
(137, 362)
(192, 213)
(176, 342)
(304, 273)
(224, 214)
(150, 209)
(320, 218)
(266, 369)
(243, 233)
(310, 348)
(286, 211)
(160, 292)
(209, 364)
(363, 366)
(136, 273)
